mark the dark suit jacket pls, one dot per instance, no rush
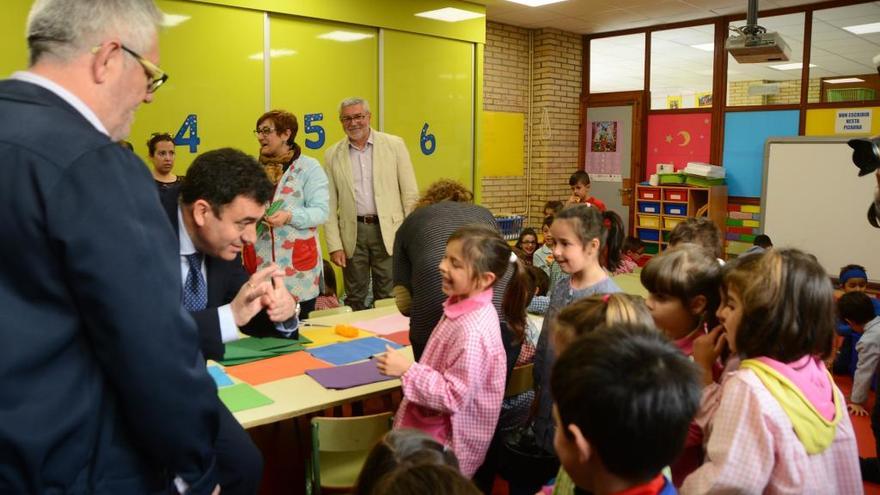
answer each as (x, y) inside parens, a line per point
(224, 279)
(102, 385)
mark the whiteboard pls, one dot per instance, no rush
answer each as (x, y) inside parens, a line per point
(814, 200)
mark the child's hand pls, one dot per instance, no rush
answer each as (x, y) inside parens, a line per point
(573, 200)
(856, 410)
(392, 363)
(707, 348)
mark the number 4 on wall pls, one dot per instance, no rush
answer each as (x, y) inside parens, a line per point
(190, 125)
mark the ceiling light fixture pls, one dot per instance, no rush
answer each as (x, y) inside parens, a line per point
(873, 27)
(843, 80)
(792, 66)
(535, 3)
(344, 36)
(450, 14)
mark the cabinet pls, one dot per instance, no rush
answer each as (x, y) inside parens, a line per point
(660, 208)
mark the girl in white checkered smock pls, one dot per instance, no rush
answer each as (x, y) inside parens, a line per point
(782, 424)
(454, 392)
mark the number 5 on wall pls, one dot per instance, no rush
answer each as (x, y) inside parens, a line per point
(314, 129)
(190, 124)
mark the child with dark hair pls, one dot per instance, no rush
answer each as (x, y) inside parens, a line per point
(400, 449)
(328, 299)
(624, 397)
(543, 257)
(541, 287)
(426, 479)
(781, 425)
(852, 278)
(526, 245)
(454, 391)
(698, 230)
(580, 191)
(857, 310)
(631, 255)
(551, 208)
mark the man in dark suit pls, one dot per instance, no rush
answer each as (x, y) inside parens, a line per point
(217, 212)
(222, 198)
(102, 385)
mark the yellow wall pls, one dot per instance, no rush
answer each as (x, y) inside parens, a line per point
(313, 80)
(820, 122)
(14, 55)
(430, 81)
(214, 60)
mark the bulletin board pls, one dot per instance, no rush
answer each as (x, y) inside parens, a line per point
(312, 71)
(214, 61)
(429, 102)
(502, 147)
(814, 200)
(744, 136)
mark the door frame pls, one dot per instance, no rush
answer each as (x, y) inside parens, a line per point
(635, 99)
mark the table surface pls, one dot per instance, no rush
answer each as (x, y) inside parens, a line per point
(301, 394)
(631, 283)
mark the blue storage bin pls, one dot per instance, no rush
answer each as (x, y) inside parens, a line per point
(649, 234)
(675, 209)
(649, 207)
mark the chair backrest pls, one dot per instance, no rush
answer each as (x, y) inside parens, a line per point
(520, 380)
(381, 303)
(329, 312)
(350, 437)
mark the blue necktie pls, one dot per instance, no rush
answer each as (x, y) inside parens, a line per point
(195, 290)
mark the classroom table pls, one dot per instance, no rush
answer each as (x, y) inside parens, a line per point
(301, 394)
(631, 283)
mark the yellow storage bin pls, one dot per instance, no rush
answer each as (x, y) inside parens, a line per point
(669, 223)
(649, 221)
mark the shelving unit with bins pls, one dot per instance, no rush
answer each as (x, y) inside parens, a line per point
(660, 208)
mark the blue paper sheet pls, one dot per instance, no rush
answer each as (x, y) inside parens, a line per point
(220, 377)
(351, 351)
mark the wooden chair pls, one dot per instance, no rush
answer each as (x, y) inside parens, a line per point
(520, 380)
(381, 303)
(328, 312)
(339, 449)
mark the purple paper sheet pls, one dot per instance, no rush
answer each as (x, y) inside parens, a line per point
(352, 375)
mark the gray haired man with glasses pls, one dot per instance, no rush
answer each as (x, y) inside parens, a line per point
(102, 385)
(372, 188)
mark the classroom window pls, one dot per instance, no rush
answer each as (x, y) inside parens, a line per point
(843, 43)
(774, 83)
(681, 67)
(617, 63)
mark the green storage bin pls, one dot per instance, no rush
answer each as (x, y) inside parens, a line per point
(651, 248)
(671, 179)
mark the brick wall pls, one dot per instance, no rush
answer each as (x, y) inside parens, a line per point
(789, 92)
(556, 88)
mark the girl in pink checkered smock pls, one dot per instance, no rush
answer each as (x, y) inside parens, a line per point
(782, 424)
(454, 392)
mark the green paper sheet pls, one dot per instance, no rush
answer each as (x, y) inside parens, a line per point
(242, 396)
(268, 343)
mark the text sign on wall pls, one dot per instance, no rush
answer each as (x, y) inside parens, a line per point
(853, 121)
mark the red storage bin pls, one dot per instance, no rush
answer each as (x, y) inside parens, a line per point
(675, 194)
(649, 193)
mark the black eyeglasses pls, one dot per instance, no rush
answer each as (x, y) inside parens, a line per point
(263, 131)
(155, 76)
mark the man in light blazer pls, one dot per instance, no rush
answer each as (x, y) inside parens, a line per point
(372, 188)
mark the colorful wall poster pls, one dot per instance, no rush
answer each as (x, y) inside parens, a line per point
(603, 150)
(703, 99)
(674, 102)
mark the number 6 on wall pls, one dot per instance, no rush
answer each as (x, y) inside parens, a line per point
(190, 124)
(427, 141)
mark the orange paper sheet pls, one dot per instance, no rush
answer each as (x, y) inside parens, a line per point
(269, 370)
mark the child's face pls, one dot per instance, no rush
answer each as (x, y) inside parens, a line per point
(548, 237)
(456, 271)
(570, 449)
(671, 315)
(730, 314)
(855, 285)
(581, 190)
(572, 255)
(549, 211)
(529, 244)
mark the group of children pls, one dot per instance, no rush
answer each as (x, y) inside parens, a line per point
(719, 375)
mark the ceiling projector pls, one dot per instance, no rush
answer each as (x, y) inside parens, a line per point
(753, 44)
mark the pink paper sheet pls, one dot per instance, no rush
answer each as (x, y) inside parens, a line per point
(384, 325)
